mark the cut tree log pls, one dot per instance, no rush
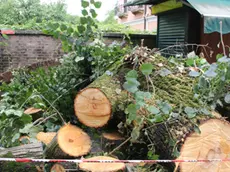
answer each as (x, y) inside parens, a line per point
(33, 150)
(95, 104)
(170, 84)
(102, 167)
(24, 140)
(212, 143)
(57, 168)
(46, 138)
(111, 141)
(70, 141)
(114, 136)
(34, 112)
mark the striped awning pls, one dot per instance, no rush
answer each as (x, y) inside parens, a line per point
(214, 12)
(143, 2)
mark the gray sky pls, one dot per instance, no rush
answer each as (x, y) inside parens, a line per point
(74, 7)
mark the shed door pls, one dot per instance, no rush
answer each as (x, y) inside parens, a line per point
(172, 28)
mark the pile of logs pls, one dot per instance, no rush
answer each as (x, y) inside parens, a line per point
(101, 106)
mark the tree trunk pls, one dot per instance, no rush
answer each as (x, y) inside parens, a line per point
(99, 102)
(170, 85)
(33, 150)
(53, 150)
(212, 143)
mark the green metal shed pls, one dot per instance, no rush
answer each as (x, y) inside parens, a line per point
(190, 21)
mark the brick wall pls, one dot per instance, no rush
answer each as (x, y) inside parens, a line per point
(26, 48)
(34, 49)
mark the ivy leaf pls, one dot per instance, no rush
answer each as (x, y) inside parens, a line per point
(84, 12)
(16, 137)
(132, 111)
(227, 75)
(18, 113)
(190, 61)
(130, 87)
(202, 61)
(142, 95)
(97, 4)
(93, 13)
(83, 20)
(197, 129)
(191, 112)
(9, 112)
(84, 4)
(26, 118)
(70, 30)
(131, 84)
(63, 27)
(194, 73)
(166, 108)
(5, 36)
(135, 134)
(224, 59)
(227, 98)
(158, 118)
(131, 75)
(81, 29)
(176, 153)
(34, 131)
(203, 83)
(164, 72)
(205, 111)
(153, 110)
(77, 59)
(152, 156)
(146, 68)
(211, 71)
(26, 129)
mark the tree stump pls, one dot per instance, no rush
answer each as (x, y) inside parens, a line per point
(102, 167)
(70, 141)
(97, 103)
(212, 143)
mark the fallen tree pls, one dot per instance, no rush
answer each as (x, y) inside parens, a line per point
(33, 150)
(168, 117)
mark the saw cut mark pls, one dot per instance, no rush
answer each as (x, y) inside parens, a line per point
(92, 121)
(73, 140)
(113, 136)
(92, 102)
(92, 107)
(46, 138)
(32, 110)
(57, 168)
(212, 143)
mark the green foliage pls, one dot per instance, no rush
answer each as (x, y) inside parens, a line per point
(30, 14)
(146, 68)
(53, 90)
(110, 18)
(49, 90)
(212, 81)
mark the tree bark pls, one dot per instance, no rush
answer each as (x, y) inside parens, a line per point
(33, 150)
(53, 150)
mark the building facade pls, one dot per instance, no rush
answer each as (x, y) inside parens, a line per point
(137, 17)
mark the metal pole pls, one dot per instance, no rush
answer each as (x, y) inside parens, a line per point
(145, 12)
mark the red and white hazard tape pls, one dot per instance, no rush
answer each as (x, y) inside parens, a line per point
(109, 161)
